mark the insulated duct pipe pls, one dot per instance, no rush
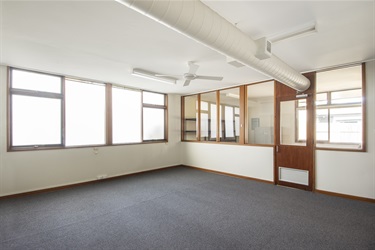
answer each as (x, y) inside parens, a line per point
(197, 21)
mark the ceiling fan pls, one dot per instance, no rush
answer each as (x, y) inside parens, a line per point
(190, 75)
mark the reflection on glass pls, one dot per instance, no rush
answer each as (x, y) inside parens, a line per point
(153, 124)
(35, 81)
(153, 98)
(260, 112)
(85, 113)
(292, 124)
(126, 115)
(347, 96)
(230, 113)
(190, 117)
(322, 124)
(208, 116)
(339, 108)
(346, 125)
(35, 121)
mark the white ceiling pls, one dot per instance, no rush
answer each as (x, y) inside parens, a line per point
(104, 40)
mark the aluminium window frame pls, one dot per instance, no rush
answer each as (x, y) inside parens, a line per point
(33, 93)
(363, 105)
(108, 115)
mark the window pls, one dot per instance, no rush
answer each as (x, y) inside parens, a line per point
(339, 108)
(190, 122)
(36, 109)
(126, 115)
(154, 116)
(230, 108)
(208, 117)
(85, 113)
(49, 111)
(260, 113)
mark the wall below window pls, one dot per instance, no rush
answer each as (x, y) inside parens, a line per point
(33, 170)
(254, 162)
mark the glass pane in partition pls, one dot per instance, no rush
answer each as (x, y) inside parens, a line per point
(190, 120)
(208, 116)
(260, 113)
(292, 124)
(229, 111)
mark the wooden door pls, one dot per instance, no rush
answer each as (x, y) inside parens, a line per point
(294, 136)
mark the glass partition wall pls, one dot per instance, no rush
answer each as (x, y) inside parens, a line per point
(260, 113)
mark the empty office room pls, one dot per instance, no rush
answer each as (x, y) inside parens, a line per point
(187, 124)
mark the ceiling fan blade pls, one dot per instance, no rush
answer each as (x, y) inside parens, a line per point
(193, 68)
(186, 83)
(215, 78)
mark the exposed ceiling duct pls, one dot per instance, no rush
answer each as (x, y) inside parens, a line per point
(197, 21)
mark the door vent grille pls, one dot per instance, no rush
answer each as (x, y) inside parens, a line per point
(292, 175)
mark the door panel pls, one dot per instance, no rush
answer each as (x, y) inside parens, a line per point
(294, 154)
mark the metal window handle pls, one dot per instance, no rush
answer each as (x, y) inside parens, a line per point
(277, 149)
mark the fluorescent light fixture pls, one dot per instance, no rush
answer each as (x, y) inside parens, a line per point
(152, 76)
(302, 30)
(233, 95)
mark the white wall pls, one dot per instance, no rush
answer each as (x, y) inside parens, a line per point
(249, 161)
(351, 173)
(33, 170)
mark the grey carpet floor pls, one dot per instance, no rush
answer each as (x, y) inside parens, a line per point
(183, 208)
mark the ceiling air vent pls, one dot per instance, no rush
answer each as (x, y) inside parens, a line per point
(264, 50)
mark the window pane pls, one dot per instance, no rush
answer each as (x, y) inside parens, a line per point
(35, 81)
(292, 124)
(302, 125)
(322, 124)
(339, 117)
(230, 103)
(85, 113)
(153, 98)
(204, 126)
(153, 124)
(126, 115)
(208, 116)
(35, 121)
(213, 121)
(260, 111)
(321, 99)
(190, 119)
(347, 97)
(346, 125)
(229, 121)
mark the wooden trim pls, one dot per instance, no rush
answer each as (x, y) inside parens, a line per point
(46, 190)
(108, 118)
(182, 125)
(228, 174)
(199, 118)
(243, 115)
(218, 116)
(346, 196)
